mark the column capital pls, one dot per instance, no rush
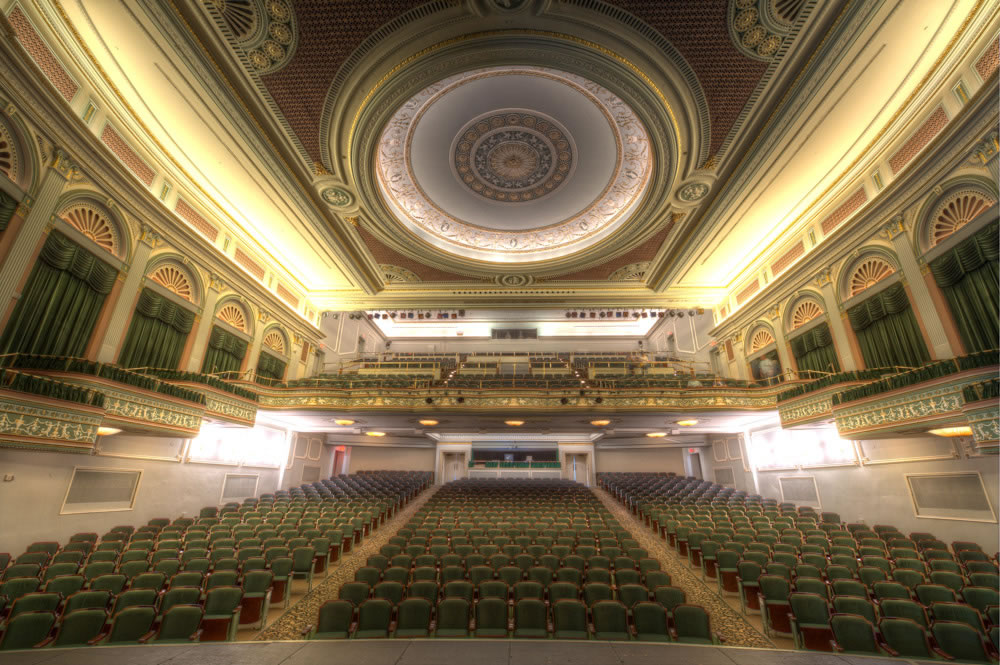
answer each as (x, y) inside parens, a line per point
(150, 236)
(215, 282)
(986, 149)
(774, 313)
(63, 164)
(823, 277)
(893, 228)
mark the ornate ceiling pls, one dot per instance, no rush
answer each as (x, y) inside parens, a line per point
(521, 152)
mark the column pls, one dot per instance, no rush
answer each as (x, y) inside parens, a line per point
(250, 361)
(295, 370)
(121, 314)
(923, 305)
(987, 152)
(203, 325)
(739, 359)
(846, 354)
(779, 340)
(33, 228)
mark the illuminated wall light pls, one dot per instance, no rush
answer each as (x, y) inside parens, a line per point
(690, 422)
(514, 423)
(374, 433)
(430, 422)
(656, 435)
(952, 431)
(343, 422)
(600, 423)
(107, 431)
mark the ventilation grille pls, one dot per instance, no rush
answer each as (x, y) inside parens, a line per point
(800, 490)
(725, 476)
(239, 486)
(950, 496)
(93, 490)
(310, 474)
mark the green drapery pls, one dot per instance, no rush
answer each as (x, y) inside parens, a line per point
(814, 350)
(270, 367)
(968, 277)
(887, 331)
(7, 208)
(157, 333)
(62, 299)
(224, 353)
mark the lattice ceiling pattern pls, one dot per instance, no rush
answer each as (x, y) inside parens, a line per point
(868, 273)
(956, 212)
(233, 315)
(94, 224)
(804, 312)
(175, 279)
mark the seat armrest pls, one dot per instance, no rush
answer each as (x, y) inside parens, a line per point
(308, 629)
(196, 636)
(100, 638)
(147, 637)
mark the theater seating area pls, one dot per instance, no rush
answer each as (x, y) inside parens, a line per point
(513, 558)
(850, 588)
(187, 579)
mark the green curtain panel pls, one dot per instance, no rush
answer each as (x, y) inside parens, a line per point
(8, 205)
(970, 281)
(157, 334)
(225, 352)
(814, 350)
(887, 331)
(270, 367)
(61, 301)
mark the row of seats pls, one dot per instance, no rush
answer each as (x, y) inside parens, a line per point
(229, 563)
(535, 558)
(843, 587)
(456, 617)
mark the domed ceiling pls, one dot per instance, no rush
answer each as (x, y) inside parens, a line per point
(513, 164)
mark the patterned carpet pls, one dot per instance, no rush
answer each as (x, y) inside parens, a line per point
(730, 624)
(289, 626)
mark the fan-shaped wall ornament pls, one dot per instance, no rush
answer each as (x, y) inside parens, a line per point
(958, 210)
(8, 156)
(275, 341)
(760, 339)
(93, 223)
(175, 279)
(868, 273)
(233, 315)
(804, 312)
(633, 272)
(397, 274)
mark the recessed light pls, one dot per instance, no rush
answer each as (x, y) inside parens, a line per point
(374, 433)
(952, 431)
(430, 422)
(600, 423)
(514, 423)
(656, 435)
(107, 431)
(689, 422)
(343, 421)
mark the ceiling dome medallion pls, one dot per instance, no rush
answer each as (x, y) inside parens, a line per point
(513, 156)
(571, 156)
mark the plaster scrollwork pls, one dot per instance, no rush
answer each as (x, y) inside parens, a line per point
(633, 272)
(396, 274)
(411, 206)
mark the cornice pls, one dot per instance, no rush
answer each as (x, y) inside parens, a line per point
(51, 115)
(847, 23)
(517, 47)
(195, 40)
(946, 153)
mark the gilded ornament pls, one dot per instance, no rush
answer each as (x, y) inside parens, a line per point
(693, 192)
(337, 197)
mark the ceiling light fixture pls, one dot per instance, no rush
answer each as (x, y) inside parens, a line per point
(952, 431)
(687, 422)
(430, 422)
(343, 422)
(107, 431)
(600, 423)
(374, 433)
(514, 423)
(656, 435)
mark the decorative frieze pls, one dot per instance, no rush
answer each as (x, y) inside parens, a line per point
(45, 424)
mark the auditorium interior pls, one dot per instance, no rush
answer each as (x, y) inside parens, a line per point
(524, 331)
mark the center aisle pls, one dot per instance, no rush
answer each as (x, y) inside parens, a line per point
(303, 613)
(731, 625)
